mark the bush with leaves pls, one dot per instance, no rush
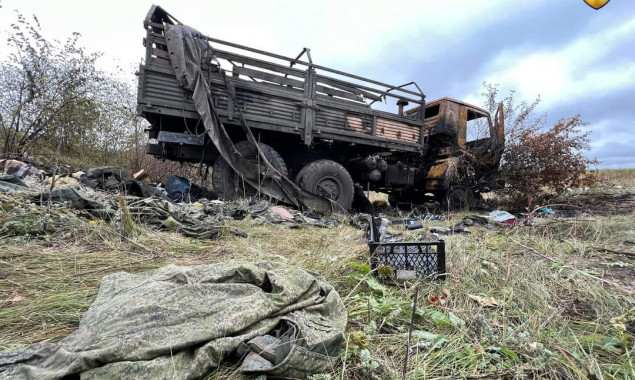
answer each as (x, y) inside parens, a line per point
(538, 161)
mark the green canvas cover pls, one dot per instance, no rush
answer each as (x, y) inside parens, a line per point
(180, 322)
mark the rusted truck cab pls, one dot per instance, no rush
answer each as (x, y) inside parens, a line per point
(465, 147)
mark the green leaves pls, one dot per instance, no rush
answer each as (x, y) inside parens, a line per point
(362, 268)
(505, 351)
(375, 285)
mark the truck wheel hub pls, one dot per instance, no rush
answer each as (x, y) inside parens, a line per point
(328, 187)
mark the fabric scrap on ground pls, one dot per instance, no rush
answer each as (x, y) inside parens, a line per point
(10, 183)
(182, 322)
(72, 198)
(18, 168)
(188, 219)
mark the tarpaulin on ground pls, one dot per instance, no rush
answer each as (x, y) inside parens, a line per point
(188, 50)
(182, 322)
(72, 198)
(10, 183)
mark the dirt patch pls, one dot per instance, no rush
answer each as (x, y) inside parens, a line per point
(579, 309)
(600, 204)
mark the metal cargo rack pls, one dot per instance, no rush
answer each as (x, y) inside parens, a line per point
(281, 94)
(407, 260)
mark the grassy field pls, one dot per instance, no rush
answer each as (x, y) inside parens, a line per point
(525, 302)
(617, 177)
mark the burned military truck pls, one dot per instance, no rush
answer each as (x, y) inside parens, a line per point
(309, 132)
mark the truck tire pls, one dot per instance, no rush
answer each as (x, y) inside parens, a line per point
(228, 185)
(328, 179)
(459, 198)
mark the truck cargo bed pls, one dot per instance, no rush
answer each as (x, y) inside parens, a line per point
(278, 98)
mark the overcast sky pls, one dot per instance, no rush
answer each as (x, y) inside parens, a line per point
(577, 59)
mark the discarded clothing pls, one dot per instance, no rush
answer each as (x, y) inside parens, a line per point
(409, 223)
(62, 181)
(182, 322)
(190, 220)
(428, 217)
(475, 220)
(72, 198)
(116, 179)
(18, 168)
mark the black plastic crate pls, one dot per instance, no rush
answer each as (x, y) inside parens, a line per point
(408, 260)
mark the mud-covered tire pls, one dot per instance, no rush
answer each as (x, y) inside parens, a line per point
(227, 184)
(329, 179)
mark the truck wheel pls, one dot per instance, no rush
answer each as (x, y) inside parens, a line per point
(328, 179)
(228, 185)
(459, 198)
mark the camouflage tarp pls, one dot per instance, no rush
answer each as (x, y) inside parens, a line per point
(181, 322)
(188, 51)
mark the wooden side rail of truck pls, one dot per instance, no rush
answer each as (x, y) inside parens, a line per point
(314, 124)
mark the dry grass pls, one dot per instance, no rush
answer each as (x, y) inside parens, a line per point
(551, 320)
(619, 177)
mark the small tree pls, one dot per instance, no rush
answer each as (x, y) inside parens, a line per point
(538, 160)
(54, 100)
(46, 86)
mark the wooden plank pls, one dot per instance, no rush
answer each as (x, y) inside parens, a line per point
(397, 130)
(160, 53)
(351, 136)
(259, 63)
(338, 93)
(268, 76)
(342, 104)
(357, 123)
(351, 88)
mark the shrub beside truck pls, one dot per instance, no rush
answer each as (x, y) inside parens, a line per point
(318, 126)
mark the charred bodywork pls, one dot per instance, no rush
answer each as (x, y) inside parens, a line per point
(307, 112)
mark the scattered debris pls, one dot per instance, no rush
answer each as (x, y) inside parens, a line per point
(501, 216)
(547, 210)
(18, 168)
(281, 212)
(142, 176)
(62, 181)
(118, 180)
(415, 222)
(485, 301)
